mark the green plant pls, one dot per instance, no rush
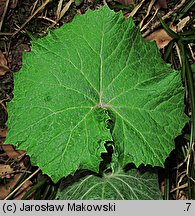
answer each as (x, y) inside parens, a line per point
(90, 86)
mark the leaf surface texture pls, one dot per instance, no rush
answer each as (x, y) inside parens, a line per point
(131, 185)
(94, 70)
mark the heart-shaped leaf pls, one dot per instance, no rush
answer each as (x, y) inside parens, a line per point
(131, 185)
(88, 73)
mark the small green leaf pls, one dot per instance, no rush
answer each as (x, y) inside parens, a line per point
(131, 185)
(78, 2)
(94, 70)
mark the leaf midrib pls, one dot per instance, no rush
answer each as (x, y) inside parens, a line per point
(101, 70)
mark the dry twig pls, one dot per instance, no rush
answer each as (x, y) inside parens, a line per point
(24, 24)
(148, 12)
(134, 11)
(22, 183)
(157, 24)
(3, 16)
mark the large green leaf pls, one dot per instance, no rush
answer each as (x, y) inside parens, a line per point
(118, 186)
(88, 72)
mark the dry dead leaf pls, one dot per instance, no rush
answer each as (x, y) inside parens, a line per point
(3, 64)
(12, 173)
(161, 37)
(61, 11)
(126, 2)
(5, 171)
(21, 192)
(161, 4)
(6, 188)
(3, 132)
(12, 153)
(182, 23)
